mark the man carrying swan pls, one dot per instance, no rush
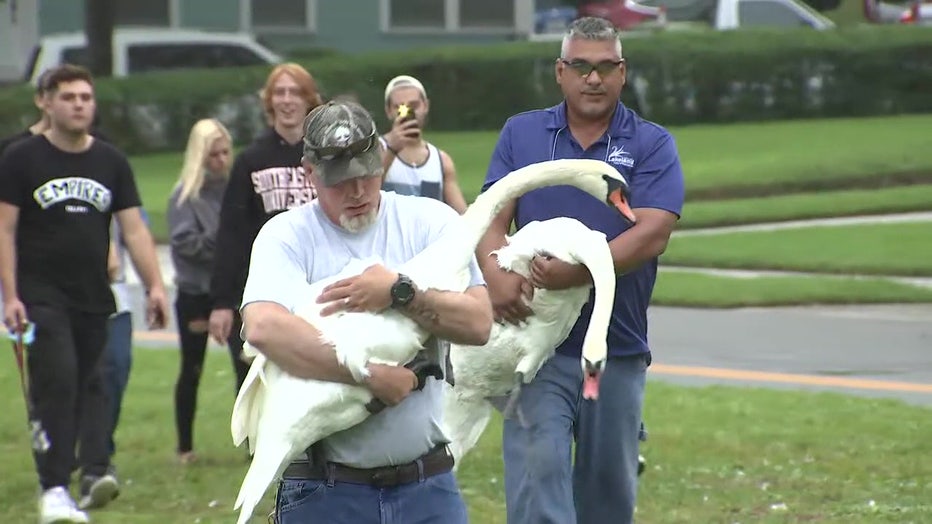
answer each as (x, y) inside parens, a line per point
(542, 484)
(396, 462)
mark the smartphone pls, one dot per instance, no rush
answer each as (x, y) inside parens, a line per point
(406, 112)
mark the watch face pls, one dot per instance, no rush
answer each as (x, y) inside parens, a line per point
(402, 291)
(405, 291)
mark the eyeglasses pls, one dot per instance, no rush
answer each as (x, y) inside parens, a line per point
(584, 68)
(356, 148)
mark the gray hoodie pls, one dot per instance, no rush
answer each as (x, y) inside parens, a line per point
(193, 230)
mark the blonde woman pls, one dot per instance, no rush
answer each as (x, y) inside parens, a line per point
(193, 218)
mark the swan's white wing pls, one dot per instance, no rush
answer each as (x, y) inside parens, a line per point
(244, 422)
(295, 413)
(489, 370)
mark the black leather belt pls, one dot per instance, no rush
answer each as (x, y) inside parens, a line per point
(437, 461)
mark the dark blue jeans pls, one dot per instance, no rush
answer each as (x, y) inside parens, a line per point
(117, 361)
(434, 500)
(543, 485)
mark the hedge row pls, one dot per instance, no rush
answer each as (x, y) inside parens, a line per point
(675, 78)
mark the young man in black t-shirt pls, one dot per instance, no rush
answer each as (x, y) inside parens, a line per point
(58, 191)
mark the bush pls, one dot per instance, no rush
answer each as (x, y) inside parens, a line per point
(674, 78)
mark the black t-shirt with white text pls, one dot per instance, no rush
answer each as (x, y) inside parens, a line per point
(65, 203)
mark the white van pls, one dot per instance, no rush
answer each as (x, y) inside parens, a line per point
(138, 50)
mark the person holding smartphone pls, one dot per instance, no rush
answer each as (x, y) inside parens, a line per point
(414, 166)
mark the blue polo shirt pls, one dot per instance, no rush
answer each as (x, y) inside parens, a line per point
(645, 153)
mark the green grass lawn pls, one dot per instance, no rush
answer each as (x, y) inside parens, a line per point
(773, 157)
(690, 289)
(879, 249)
(715, 454)
(798, 206)
(764, 158)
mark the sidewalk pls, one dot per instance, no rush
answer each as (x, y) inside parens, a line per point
(896, 218)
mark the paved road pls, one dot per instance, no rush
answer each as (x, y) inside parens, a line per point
(877, 350)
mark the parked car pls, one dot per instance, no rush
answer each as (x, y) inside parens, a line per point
(641, 17)
(912, 12)
(138, 50)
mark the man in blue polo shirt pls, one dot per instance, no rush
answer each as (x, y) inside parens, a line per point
(542, 485)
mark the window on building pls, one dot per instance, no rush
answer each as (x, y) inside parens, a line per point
(448, 15)
(144, 13)
(430, 14)
(282, 13)
(487, 13)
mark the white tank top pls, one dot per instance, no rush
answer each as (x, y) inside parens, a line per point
(425, 180)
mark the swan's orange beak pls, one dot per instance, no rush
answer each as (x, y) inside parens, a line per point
(618, 199)
(590, 389)
(591, 375)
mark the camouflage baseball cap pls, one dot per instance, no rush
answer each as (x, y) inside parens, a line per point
(340, 141)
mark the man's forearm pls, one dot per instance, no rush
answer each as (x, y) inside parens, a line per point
(142, 252)
(8, 266)
(636, 246)
(295, 346)
(456, 317)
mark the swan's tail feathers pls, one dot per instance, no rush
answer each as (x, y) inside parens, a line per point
(249, 352)
(464, 421)
(512, 408)
(249, 398)
(267, 464)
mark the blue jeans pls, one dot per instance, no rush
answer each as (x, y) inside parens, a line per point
(434, 500)
(542, 484)
(118, 359)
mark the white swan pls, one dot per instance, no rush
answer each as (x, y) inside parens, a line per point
(514, 354)
(282, 415)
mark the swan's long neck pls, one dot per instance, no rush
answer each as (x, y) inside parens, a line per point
(455, 251)
(555, 172)
(597, 257)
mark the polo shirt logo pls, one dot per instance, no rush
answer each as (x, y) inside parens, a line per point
(620, 157)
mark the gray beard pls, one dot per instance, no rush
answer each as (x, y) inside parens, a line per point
(358, 223)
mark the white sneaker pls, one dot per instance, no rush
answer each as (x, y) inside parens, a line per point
(57, 507)
(97, 492)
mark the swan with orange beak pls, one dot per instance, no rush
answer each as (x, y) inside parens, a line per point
(593, 356)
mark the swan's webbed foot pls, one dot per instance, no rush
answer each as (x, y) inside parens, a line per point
(512, 408)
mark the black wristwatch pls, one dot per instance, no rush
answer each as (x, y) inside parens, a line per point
(402, 291)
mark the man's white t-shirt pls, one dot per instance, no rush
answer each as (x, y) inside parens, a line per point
(302, 246)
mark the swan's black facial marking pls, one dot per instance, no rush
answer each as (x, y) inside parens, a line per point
(594, 368)
(618, 195)
(592, 373)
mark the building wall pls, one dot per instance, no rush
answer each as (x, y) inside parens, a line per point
(218, 15)
(350, 26)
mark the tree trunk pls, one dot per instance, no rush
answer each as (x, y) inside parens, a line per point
(99, 19)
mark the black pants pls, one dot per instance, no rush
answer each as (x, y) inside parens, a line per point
(67, 391)
(196, 308)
